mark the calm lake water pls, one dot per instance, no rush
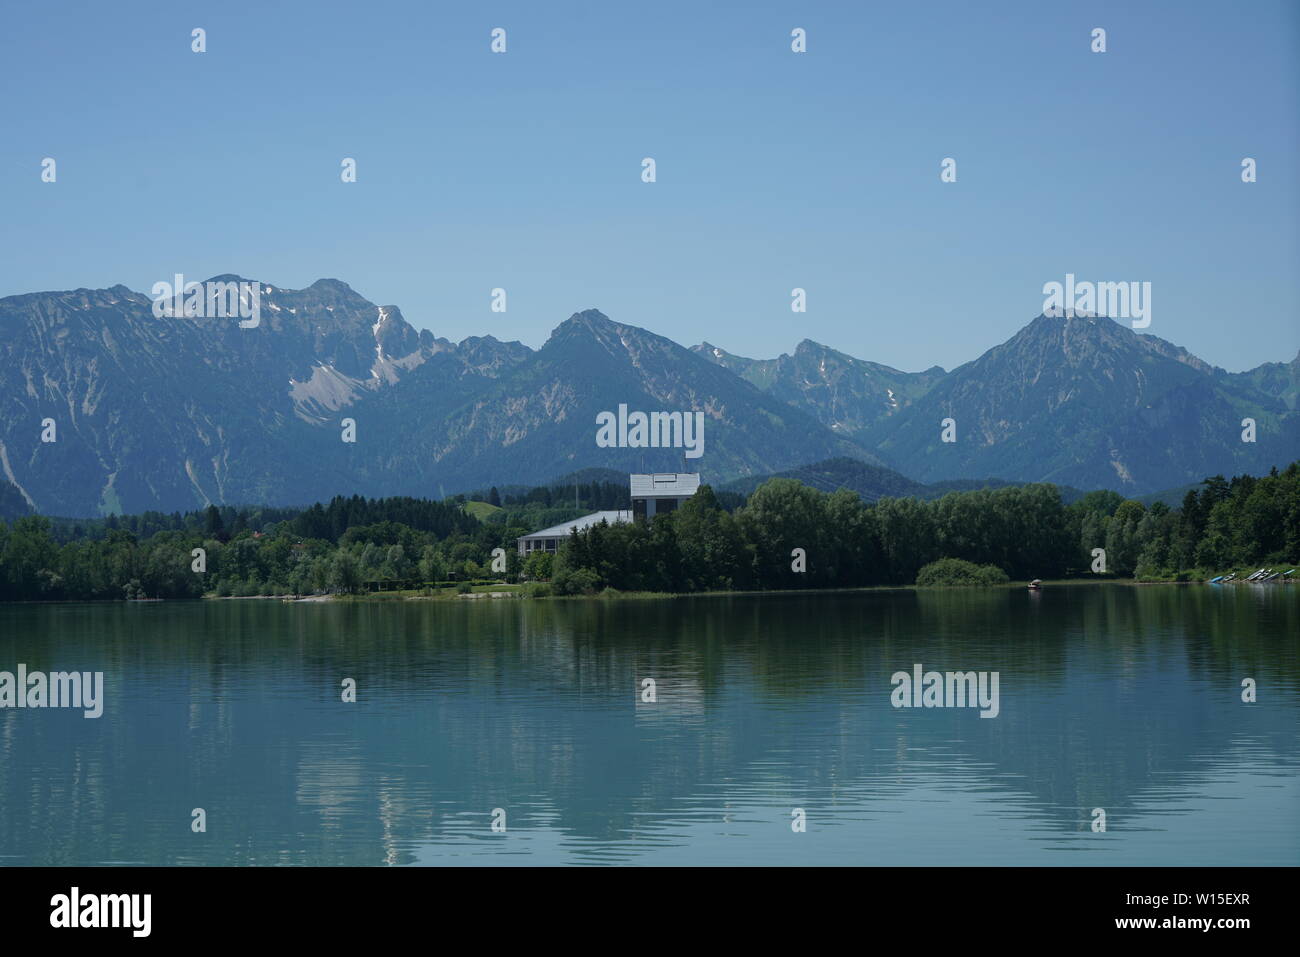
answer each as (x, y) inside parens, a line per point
(1115, 697)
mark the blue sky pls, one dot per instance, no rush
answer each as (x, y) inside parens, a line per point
(775, 170)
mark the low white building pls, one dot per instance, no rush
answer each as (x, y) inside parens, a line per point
(654, 494)
(549, 539)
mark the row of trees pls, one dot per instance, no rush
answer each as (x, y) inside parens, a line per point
(787, 535)
(594, 496)
(1224, 524)
(327, 522)
(791, 536)
(35, 566)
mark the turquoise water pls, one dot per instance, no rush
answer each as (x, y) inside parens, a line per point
(1116, 697)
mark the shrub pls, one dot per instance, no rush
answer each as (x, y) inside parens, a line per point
(576, 581)
(957, 571)
(539, 565)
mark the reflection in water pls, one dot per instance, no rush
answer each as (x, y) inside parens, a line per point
(1115, 697)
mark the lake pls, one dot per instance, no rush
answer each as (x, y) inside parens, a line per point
(1125, 699)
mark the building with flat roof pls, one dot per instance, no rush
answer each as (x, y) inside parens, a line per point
(661, 492)
(654, 494)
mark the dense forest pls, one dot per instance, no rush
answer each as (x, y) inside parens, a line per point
(351, 544)
(1026, 531)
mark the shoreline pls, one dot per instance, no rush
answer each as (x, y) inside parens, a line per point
(613, 595)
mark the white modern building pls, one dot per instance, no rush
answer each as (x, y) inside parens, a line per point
(661, 492)
(549, 539)
(655, 494)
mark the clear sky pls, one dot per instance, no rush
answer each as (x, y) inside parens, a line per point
(774, 169)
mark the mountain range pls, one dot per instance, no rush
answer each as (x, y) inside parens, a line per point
(171, 413)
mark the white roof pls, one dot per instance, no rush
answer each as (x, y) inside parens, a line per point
(595, 518)
(665, 485)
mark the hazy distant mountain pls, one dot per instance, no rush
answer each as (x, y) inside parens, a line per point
(849, 395)
(539, 419)
(1089, 403)
(174, 413)
(873, 482)
(1278, 379)
(589, 475)
(12, 503)
(869, 481)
